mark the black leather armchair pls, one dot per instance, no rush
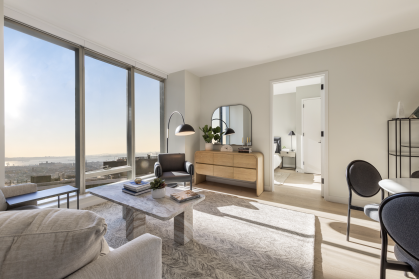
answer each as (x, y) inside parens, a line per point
(172, 167)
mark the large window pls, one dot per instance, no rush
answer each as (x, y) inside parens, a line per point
(147, 123)
(69, 113)
(39, 111)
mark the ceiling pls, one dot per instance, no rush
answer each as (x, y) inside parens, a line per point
(291, 86)
(210, 37)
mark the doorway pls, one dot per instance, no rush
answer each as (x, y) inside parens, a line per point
(299, 132)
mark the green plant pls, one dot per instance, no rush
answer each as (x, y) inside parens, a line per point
(157, 183)
(211, 133)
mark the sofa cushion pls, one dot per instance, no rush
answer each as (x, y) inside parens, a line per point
(49, 243)
(3, 204)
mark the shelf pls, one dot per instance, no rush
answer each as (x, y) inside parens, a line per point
(403, 119)
(404, 154)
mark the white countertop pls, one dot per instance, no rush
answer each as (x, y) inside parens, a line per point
(399, 185)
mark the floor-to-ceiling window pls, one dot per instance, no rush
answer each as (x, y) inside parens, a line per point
(105, 118)
(70, 113)
(39, 111)
(147, 123)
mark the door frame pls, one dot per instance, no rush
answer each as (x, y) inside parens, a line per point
(302, 127)
(325, 124)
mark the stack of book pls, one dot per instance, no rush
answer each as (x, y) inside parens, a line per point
(245, 150)
(135, 189)
(184, 196)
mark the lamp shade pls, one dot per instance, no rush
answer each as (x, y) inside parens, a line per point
(229, 131)
(291, 133)
(184, 130)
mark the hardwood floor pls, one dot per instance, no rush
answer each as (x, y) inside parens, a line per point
(334, 256)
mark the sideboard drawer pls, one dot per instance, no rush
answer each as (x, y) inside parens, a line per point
(245, 161)
(204, 157)
(226, 172)
(224, 160)
(245, 174)
(204, 169)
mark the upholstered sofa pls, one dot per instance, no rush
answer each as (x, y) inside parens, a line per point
(67, 243)
(17, 190)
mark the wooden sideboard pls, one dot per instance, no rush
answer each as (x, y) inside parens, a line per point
(233, 165)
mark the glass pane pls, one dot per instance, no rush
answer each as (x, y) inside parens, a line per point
(147, 123)
(39, 111)
(106, 117)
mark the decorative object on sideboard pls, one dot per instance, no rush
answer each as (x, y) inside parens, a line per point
(291, 134)
(227, 148)
(158, 188)
(400, 110)
(181, 130)
(245, 150)
(415, 114)
(211, 134)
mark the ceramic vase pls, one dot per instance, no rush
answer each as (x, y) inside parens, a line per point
(158, 193)
(209, 146)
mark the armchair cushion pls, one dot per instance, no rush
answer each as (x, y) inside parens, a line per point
(172, 161)
(49, 243)
(157, 169)
(174, 174)
(17, 190)
(189, 168)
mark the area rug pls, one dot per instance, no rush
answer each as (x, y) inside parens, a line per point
(280, 176)
(233, 238)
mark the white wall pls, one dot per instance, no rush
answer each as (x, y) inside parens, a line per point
(303, 92)
(2, 138)
(192, 108)
(284, 122)
(183, 95)
(366, 80)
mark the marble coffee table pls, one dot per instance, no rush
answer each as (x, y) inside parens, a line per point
(135, 209)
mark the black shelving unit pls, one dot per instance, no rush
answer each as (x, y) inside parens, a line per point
(398, 152)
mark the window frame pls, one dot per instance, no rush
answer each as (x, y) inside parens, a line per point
(80, 143)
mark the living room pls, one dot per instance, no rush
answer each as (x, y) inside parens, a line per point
(97, 96)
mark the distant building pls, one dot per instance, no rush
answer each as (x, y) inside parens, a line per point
(143, 165)
(40, 178)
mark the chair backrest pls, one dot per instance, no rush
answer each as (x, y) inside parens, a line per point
(415, 174)
(399, 218)
(363, 178)
(172, 161)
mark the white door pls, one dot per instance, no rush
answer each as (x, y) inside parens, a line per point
(312, 135)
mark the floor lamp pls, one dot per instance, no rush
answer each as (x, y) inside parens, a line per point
(181, 130)
(291, 134)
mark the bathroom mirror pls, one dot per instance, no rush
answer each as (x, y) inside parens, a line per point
(239, 119)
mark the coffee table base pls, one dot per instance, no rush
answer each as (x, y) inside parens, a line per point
(183, 231)
(135, 223)
(136, 226)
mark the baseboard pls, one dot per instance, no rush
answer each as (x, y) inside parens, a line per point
(234, 182)
(344, 200)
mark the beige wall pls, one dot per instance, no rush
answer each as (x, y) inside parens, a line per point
(192, 108)
(284, 122)
(303, 92)
(366, 80)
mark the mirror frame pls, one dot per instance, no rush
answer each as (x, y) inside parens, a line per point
(251, 124)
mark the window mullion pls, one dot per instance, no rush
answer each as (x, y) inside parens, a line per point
(131, 122)
(80, 122)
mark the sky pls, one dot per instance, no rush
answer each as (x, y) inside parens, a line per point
(40, 102)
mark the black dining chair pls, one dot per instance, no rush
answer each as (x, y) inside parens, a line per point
(400, 221)
(362, 178)
(415, 174)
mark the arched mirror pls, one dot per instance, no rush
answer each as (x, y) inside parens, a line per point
(236, 122)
